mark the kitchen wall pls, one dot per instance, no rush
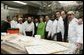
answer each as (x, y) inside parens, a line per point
(10, 11)
(4, 12)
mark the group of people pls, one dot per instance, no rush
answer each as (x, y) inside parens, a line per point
(61, 26)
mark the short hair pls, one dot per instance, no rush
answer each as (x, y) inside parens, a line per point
(64, 11)
(20, 19)
(70, 12)
(30, 17)
(58, 11)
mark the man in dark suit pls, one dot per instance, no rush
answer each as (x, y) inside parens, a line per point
(65, 21)
(5, 25)
(35, 25)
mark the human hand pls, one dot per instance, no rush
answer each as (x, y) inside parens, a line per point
(80, 21)
(79, 45)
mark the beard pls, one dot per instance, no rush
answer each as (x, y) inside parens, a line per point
(52, 19)
(29, 21)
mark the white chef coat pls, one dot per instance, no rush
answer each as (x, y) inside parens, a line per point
(48, 25)
(60, 26)
(52, 29)
(20, 26)
(13, 24)
(80, 34)
(72, 30)
(28, 27)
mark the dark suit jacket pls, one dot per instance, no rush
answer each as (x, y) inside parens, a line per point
(35, 28)
(66, 29)
(5, 26)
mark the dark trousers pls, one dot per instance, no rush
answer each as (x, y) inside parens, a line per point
(81, 51)
(59, 36)
(46, 34)
(28, 33)
(50, 38)
(65, 39)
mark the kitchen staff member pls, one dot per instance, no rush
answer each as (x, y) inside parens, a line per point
(13, 22)
(20, 25)
(28, 27)
(72, 30)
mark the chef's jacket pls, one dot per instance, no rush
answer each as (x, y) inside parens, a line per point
(72, 30)
(13, 24)
(28, 27)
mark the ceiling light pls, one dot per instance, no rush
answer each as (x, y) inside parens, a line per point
(20, 2)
